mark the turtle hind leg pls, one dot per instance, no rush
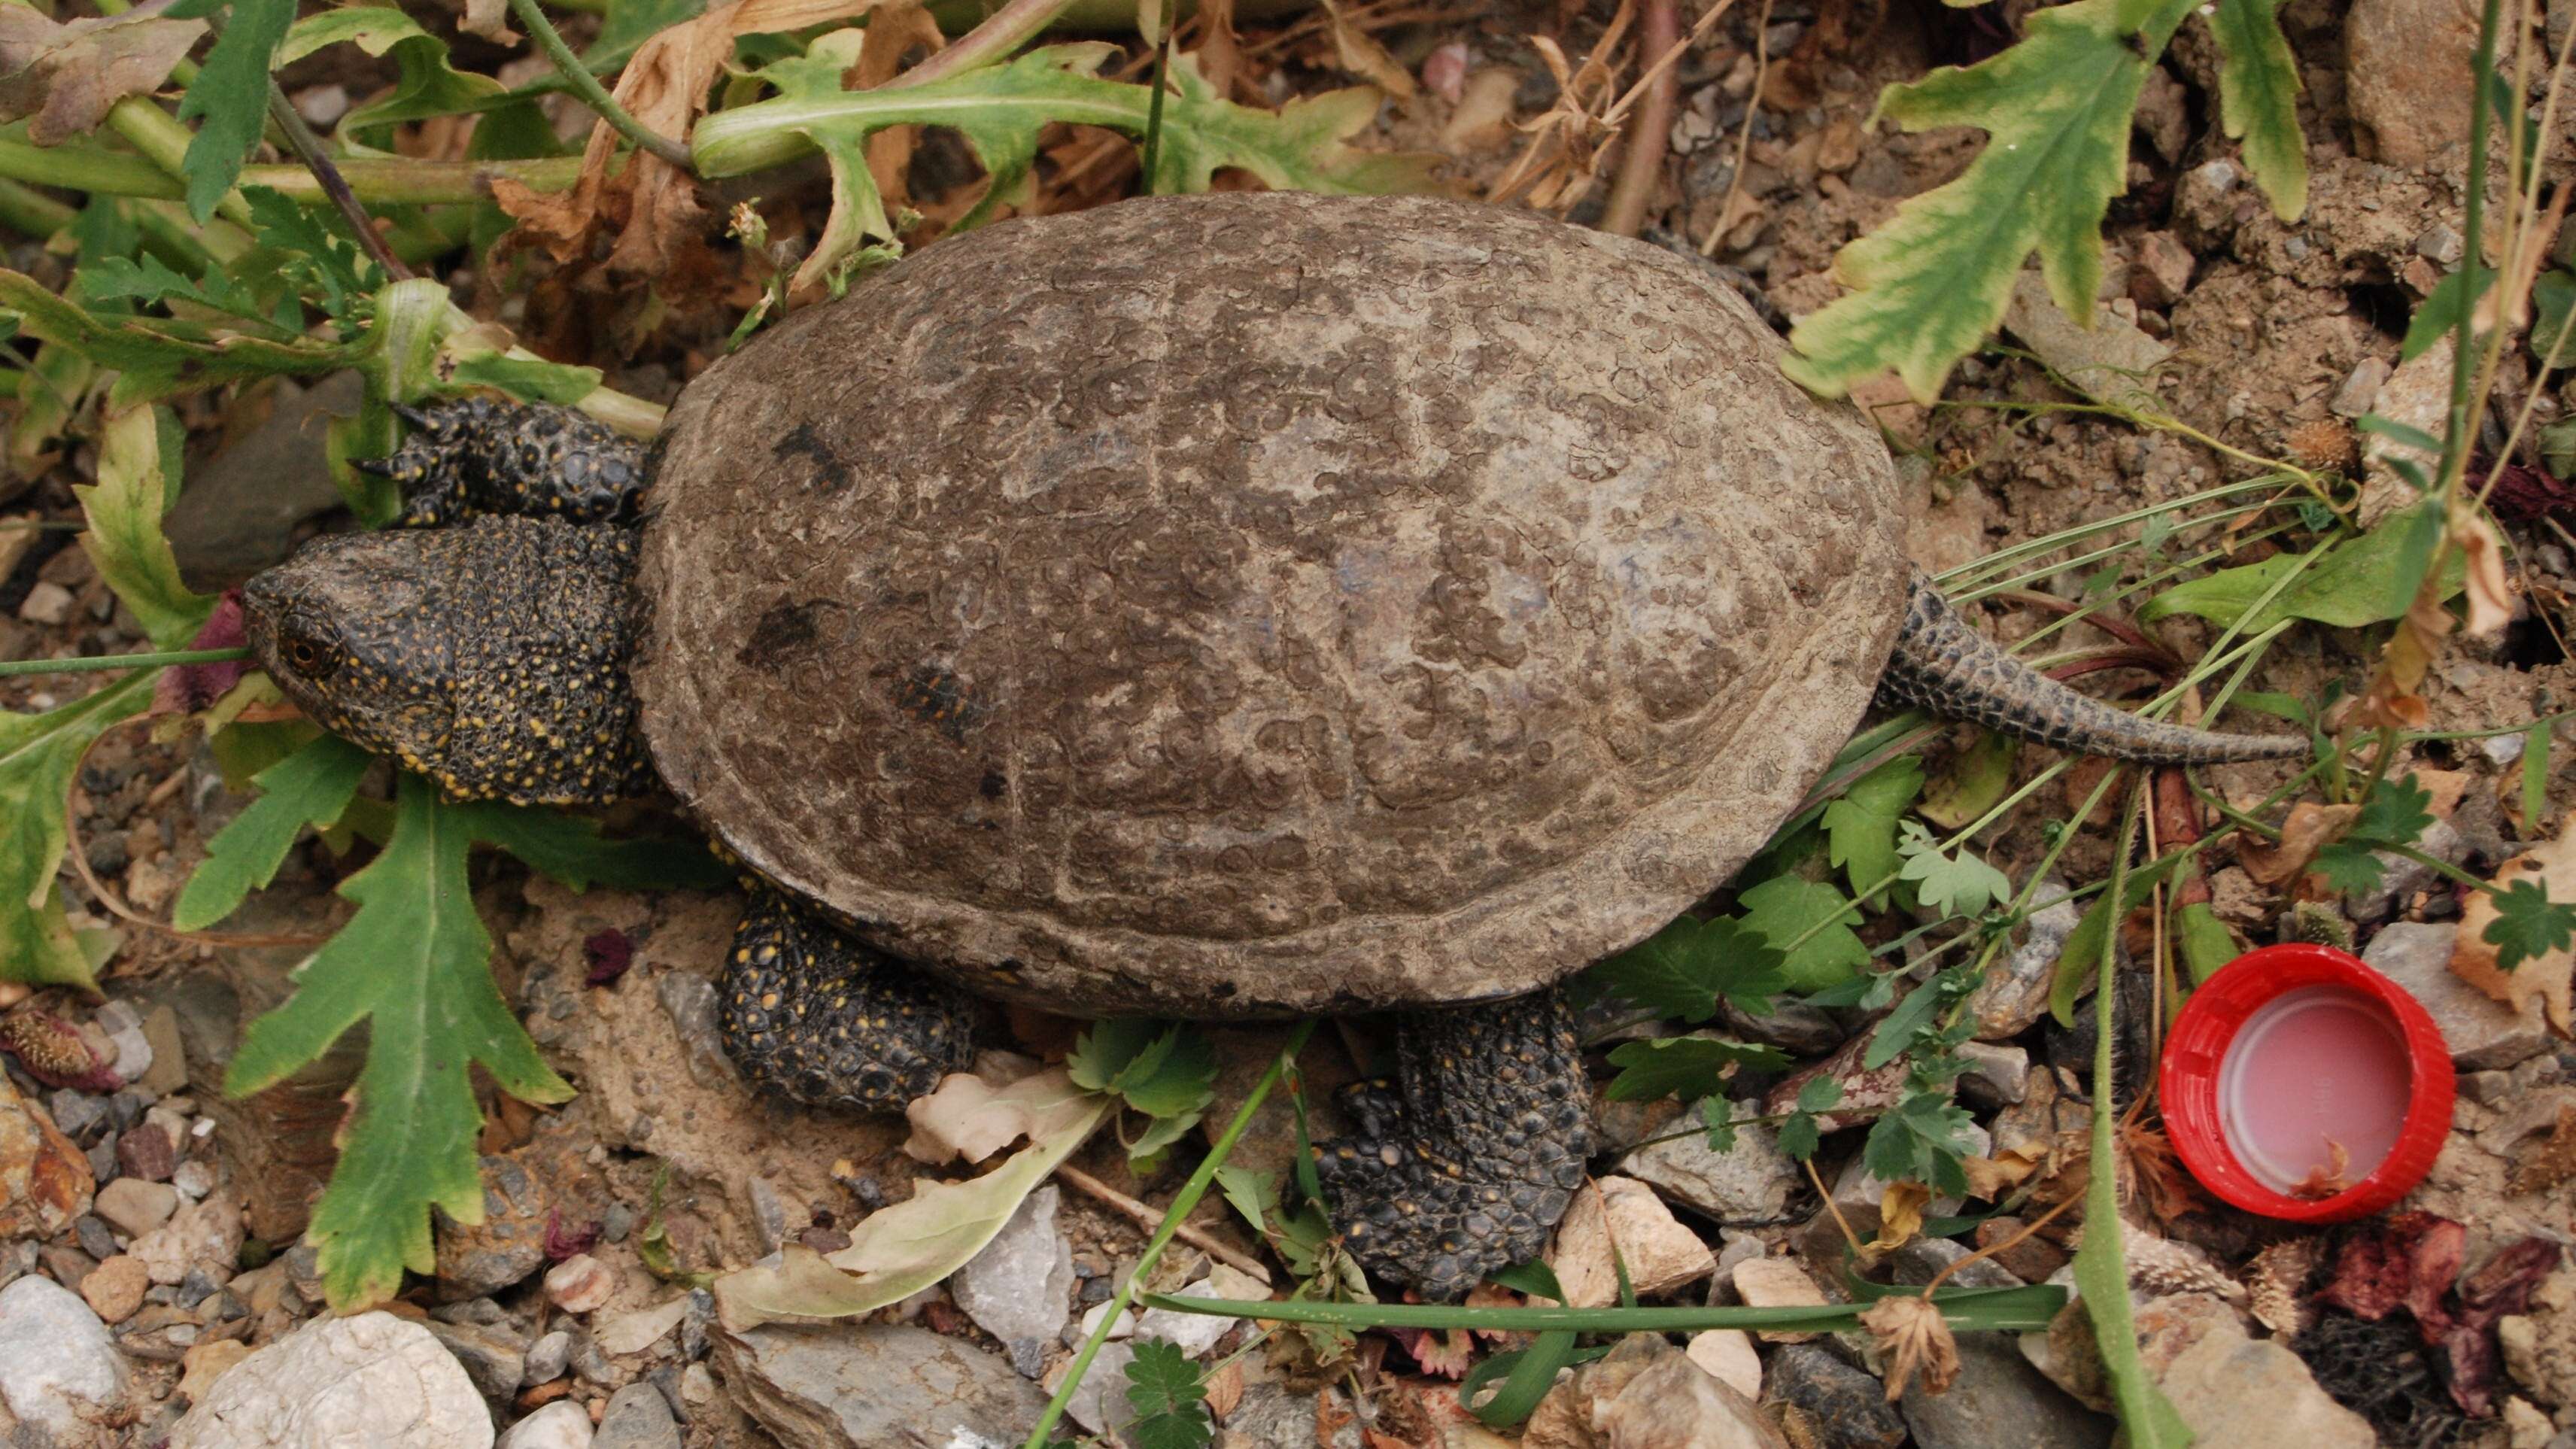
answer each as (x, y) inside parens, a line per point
(812, 1015)
(1465, 1161)
(474, 457)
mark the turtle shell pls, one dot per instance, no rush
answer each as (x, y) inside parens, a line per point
(1261, 603)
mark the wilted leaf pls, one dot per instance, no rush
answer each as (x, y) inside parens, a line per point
(899, 1250)
(1912, 1336)
(138, 480)
(967, 1119)
(1970, 784)
(2490, 598)
(1929, 285)
(2258, 99)
(1358, 52)
(61, 76)
(1900, 1215)
(414, 961)
(2307, 830)
(2550, 870)
(38, 753)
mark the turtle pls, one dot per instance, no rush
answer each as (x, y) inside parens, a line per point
(1229, 606)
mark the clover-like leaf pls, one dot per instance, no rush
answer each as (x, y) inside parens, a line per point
(1688, 1067)
(1860, 828)
(1685, 968)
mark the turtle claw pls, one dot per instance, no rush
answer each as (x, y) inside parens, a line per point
(373, 467)
(414, 416)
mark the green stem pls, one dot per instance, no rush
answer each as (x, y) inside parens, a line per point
(1183, 1203)
(592, 93)
(1975, 1308)
(2455, 446)
(383, 182)
(164, 141)
(30, 212)
(120, 661)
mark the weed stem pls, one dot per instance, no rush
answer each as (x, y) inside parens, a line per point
(592, 93)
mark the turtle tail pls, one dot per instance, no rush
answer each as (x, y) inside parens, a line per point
(1947, 667)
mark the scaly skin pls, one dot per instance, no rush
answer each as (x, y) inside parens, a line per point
(491, 655)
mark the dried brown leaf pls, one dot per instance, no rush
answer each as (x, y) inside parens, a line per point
(61, 77)
(2553, 1161)
(2326, 1178)
(1900, 1215)
(2552, 978)
(1912, 1337)
(2276, 1290)
(2310, 828)
(968, 1119)
(1359, 53)
(2490, 597)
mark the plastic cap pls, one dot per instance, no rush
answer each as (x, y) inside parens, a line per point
(2189, 1081)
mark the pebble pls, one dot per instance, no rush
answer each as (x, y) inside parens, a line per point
(1777, 1283)
(114, 1289)
(96, 1238)
(1100, 1403)
(58, 1367)
(638, 1417)
(2104, 359)
(873, 1385)
(44, 1179)
(2483, 1034)
(76, 1111)
(169, 1070)
(547, 1358)
(1021, 1285)
(1619, 1221)
(48, 603)
(193, 1178)
(124, 1028)
(1750, 1182)
(1196, 1333)
(1844, 1407)
(2012, 998)
(2361, 387)
(207, 1233)
(2232, 1389)
(690, 1001)
(371, 1379)
(562, 1424)
(207, 1362)
(520, 1190)
(494, 1358)
(146, 1151)
(1728, 1355)
(1645, 1392)
(1998, 1073)
(2401, 877)
(2000, 1401)
(579, 1284)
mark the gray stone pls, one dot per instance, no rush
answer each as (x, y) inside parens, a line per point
(1846, 1407)
(2361, 388)
(562, 1424)
(95, 1238)
(637, 1417)
(76, 1111)
(1922, 1260)
(2483, 1033)
(2009, 1000)
(1998, 1073)
(1274, 1416)
(124, 1028)
(239, 512)
(2000, 1401)
(2400, 877)
(2235, 1390)
(690, 1001)
(1750, 1182)
(1100, 1403)
(371, 1379)
(546, 1358)
(59, 1370)
(494, 1358)
(2109, 360)
(875, 1386)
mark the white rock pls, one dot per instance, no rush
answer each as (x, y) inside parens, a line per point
(562, 1424)
(58, 1367)
(1124, 1328)
(1100, 1403)
(1752, 1181)
(1196, 1333)
(1622, 1216)
(46, 603)
(373, 1379)
(133, 1206)
(204, 1234)
(1777, 1283)
(124, 1028)
(1727, 1354)
(1020, 1285)
(580, 1283)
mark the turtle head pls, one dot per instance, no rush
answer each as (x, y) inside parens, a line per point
(490, 657)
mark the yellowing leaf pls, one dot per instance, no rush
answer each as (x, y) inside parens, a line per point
(38, 753)
(2551, 867)
(1929, 285)
(897, 1251)
(138, 480)
(2258, 99)
(416, 962)
(1971, 782)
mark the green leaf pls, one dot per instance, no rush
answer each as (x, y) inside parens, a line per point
(2528, 925)
(2398, 812)
(2443, 311)
(426, 84)
(415, 963)
(2258, 99)
(1798, 1136)
(38, 753)
(1820, 1094)
(1162, 1069)
(1963, 885)
(2368, 580)
(138, 476)
(2085, 941)
(310, 787)
(1929, 285)
(999, 110)
(314, 256)
(2553, 306)
(570, 849)
(1922, 1140)
(1786, 907)
(1860, 828)
(1682, 970)
(1527, 1376)
(1254, 1193)
(1973, 780)
(1688, 1067)
(229, 97)
(1170, 1401)
(2348, 867)
(156, 357)
(527, 379)
(2535, 774)
(2206, 943)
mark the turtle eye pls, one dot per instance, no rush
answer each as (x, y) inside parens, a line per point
(310, 657)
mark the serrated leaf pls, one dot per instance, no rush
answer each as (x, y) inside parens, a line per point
(150, 280)
(2527, 924)
(1929, 285)
(1961, 885)
(1921, 1140)
(1860, 828)
(1688, 1067)
(2258, 99)
(2398, 812)
(426, 85)
(38, 753)
(415, 963)
(310, 787)
(229, 98)
(1162, 1069)
(1169, 1398)
(1798, 1136)
(1682, 970)
(156, 357)
(124, 539)
(314, 256)
(999, 110)
(1785, 908)
(570, 849)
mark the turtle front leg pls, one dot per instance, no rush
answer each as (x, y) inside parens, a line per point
(473, 457)
(1464, 1162)
(813, 1015)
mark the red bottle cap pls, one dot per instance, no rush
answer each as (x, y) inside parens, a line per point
(2194, 1080)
